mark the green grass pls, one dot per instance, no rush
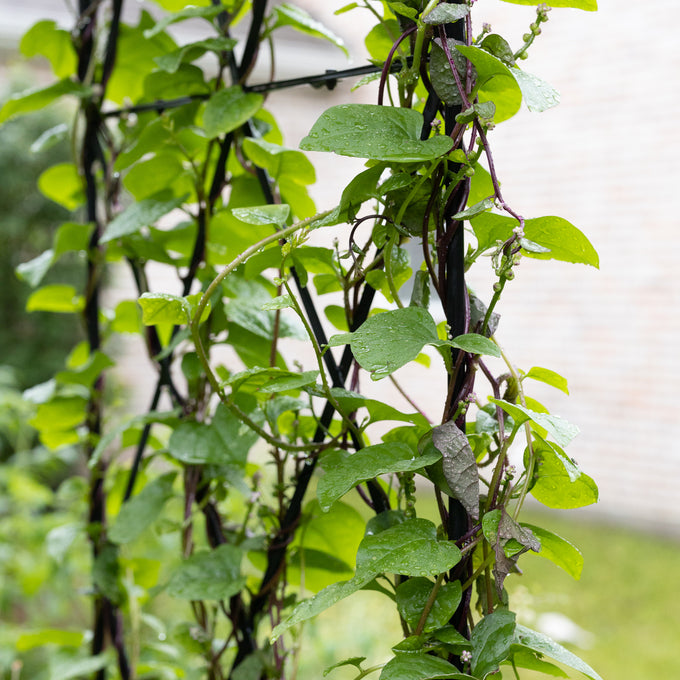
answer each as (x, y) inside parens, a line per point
(628, 599)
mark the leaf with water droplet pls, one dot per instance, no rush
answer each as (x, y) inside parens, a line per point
(387, 341)
(537, 94)
(381, 133)
(368, 463)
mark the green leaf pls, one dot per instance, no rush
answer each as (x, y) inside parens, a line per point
(525, 658)
(142, 510)
(562, 431)
(378, 132)
(412, 596)
(474, 210)
(323, 600)
(354, 661)
(499, 47)
(289, 381)
(50, 138)
(495, 82)
(476, 344)
(287, 14)
(72, 237)
(441, 74)
(57, 297)
(542, 644)
(333, 536)
(49, 636)
(87, 372)
(190, 52)
(458, 465)
(62, 184)
(559, 551)
(548, 377)
(559, 482)
(79, 668)
(537, 94)
(229, 109)
(387, 341)
(223, 441)
(410, 548)
(151, 176)
(587, 5)
(139, 215)
(445, 14)
(491, 640)
(564, 241)
(159, 308)
(45, 39)
(263, 214)
(33, 271)
(191, 12)
(368, 463)
(40, 97)
(208, 575)
(418, 666)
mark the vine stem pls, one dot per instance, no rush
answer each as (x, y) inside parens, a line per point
(317, 351)
(195, 323)
(428, 605)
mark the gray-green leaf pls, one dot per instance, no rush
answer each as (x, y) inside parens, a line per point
(208, 575)
(458, 465)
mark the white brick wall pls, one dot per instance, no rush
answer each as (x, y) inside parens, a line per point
(606, 160)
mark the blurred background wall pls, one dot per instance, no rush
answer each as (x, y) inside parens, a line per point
(605, 160)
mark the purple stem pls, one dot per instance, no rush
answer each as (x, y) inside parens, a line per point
(388, 62)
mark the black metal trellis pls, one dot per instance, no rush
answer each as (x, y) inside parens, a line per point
(108, 623)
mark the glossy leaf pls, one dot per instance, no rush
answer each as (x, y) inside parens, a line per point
(287, 14)
(40, 97)
(208, 575)
(209, 12)
(476, 344)
(559, 482)
(445, 14)
(494, 82)
(420, 667)
(229, 109)
(542, 644)
(536, 93)
(564, 241)
(491, 640)
(410, 548)
(549, 377)
(142, 510)
(413, 594)
(139, 215)
(171, 61)
(377, 132)
(368, 463)
(263, 214)
(160, 308)
(387, 341)
(562, 431)
(558, 550)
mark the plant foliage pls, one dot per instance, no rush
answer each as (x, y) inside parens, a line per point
(182, 166)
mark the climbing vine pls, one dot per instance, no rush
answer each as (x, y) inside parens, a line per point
(257, 468)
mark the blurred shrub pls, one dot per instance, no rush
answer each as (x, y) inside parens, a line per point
(34, 344)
